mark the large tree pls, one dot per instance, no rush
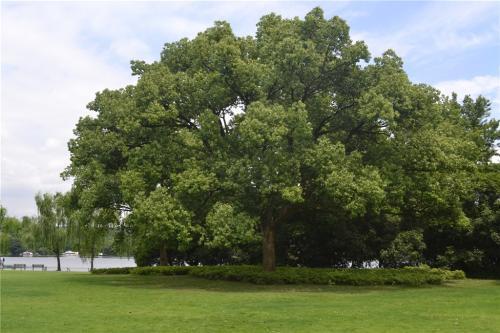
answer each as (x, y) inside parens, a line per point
(292, 128)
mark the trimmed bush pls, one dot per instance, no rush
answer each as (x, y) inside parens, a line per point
(413, 276)
(408, 276)
(118, 270)
(447, 274)
(162, 270)
(405, 249)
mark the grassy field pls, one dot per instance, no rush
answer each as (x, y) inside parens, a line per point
(79, 302)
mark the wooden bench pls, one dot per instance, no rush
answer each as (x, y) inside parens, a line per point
(20, 266)
(41, 266)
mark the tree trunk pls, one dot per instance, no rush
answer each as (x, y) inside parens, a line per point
(58, 256)
(92, 255)
(268, 245)
(163, 255)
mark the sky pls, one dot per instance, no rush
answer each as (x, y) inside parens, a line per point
(56, 55)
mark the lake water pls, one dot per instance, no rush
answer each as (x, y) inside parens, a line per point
(73, 263)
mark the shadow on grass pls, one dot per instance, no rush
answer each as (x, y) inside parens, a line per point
(194, 283)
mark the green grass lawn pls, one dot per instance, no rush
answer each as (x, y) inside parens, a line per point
(80, 302)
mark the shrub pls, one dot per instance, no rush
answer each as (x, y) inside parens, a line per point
(118, 270)
(405, 249)
(409, 276)
(446, 274)
(161, 270)
(357, 277)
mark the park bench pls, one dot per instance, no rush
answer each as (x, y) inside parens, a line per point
(20, 266)
(7, 266)
(41, 266)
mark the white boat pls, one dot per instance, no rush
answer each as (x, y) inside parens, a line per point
(70, 253)
(27, 254)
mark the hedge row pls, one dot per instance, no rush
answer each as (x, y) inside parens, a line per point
(354, 277)
(162, 270)
(410, 276)
(149, 270)
(118, 270)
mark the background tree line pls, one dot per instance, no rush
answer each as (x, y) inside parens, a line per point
(289, 147)
(55, 229)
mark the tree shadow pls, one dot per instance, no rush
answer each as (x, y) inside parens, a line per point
(194, 283)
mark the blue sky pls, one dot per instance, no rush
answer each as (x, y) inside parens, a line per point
(56, 55)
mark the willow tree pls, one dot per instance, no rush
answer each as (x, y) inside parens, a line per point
(89, 230)
(52, 223)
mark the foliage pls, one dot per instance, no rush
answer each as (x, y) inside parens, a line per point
(10, 233)
(297, 134)
(90, 229)
(355, 277)
(116, 270)
(411, 276)
(162, 270)
(150, 270)
(161, 219)
(226, 228)
(52, 222)
(405, 250)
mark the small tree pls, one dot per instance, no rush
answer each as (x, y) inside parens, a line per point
(161, 221)
(28, 233)
(52, 222)
(226, 228)
(405, 250)
(91, 228)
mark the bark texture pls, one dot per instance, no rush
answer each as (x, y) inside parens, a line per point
(163, 255)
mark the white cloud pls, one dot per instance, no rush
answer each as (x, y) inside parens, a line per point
(486, 85)
(48, 77)
(440, 27)
(131, 49)
(51, 143)
(479, 85)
